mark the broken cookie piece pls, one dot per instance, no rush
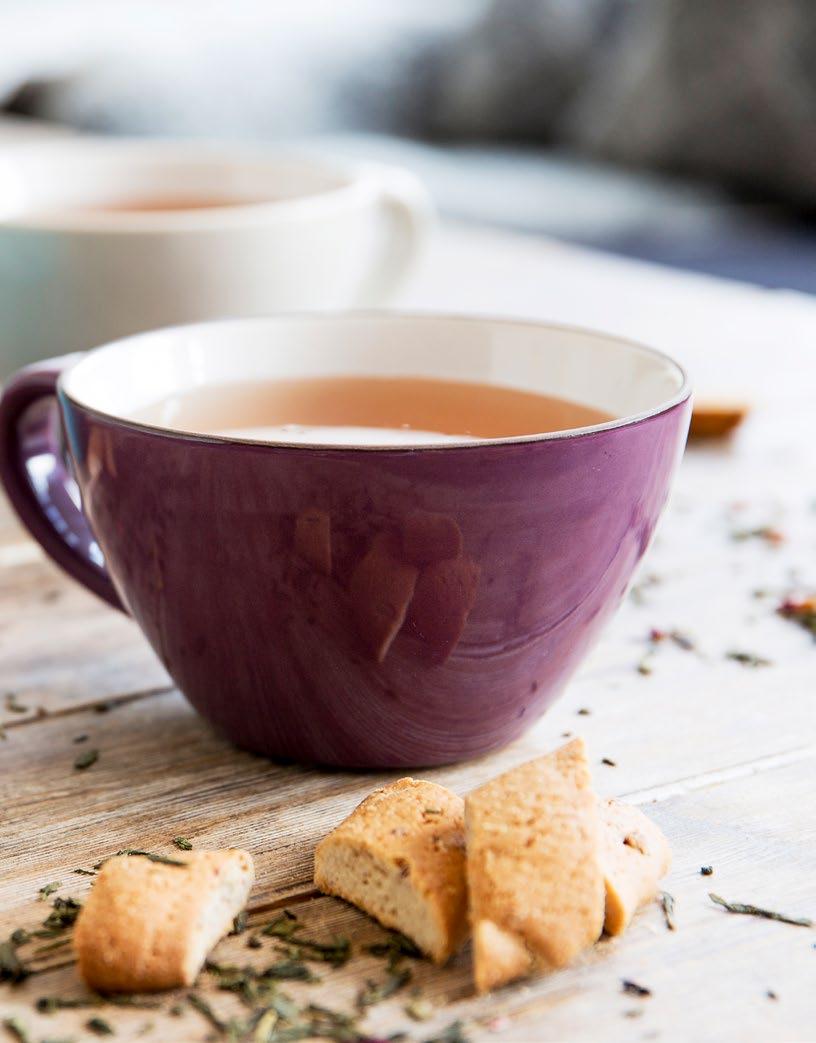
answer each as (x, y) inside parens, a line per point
(400, 858)
(534, 876)
(634, 855)
(148, 926)
(711, 420)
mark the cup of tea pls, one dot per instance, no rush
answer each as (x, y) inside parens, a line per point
(368, 540)
(102, 239)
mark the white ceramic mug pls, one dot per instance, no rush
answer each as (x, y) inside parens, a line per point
(308, 234)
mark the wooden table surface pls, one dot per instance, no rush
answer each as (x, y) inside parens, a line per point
(721, 754)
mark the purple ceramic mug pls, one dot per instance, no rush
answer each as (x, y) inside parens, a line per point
(361, 606)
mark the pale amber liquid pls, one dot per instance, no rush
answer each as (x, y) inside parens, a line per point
(365, 409)
(162, 204)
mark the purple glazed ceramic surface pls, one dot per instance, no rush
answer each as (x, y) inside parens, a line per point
(270, 579)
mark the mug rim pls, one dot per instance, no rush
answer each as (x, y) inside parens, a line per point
(678, 398)
(352, 182)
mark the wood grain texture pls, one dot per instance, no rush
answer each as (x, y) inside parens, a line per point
(692, 972)
(721, 754)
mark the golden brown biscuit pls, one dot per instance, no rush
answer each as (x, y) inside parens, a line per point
(400, 857)
(634, 855)
(313, 539)
(535, 884)
(716, 419)
(380, 589)
(148, 926)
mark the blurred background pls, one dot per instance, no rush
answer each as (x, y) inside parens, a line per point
(678, 131)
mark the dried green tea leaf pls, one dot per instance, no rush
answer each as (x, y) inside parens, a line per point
(182, 843)
(753, 910)
(12, 968)
(667, 904)
(86, 759)
(152, 856)
(99, 1027)
(419, 1009)
(49, 889)
(375, 992)
(239, 924)
(62, 916)
(748, 659)
(454, 1033)
(17, 1030)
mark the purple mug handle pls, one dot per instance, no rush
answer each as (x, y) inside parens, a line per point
(35, 474)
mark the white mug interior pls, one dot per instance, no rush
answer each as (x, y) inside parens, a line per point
(621, 378)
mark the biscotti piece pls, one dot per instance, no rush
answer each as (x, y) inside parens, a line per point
(534, 876)
(634, 855)
(148, 926)
(716, 419)
(400, 857)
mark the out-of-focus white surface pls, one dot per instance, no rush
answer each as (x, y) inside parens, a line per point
(736, 340)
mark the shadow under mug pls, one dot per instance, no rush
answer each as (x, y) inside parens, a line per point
(356, 606)
(78, 268)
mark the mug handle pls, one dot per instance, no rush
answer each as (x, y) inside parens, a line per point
(35, 473)
(409, 217)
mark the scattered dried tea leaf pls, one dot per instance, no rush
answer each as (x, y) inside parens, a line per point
(99, 1027)
(394, 948)
(206, 1011)
(151, 855)
(375, 992)
(748, 659)
(182, 843)
(634, 989)
(706, 870)
(667, 904)
(766, 533)
(12, 968)
(287, 928)
(86, 759)
(754, 910)
(17, 1030)
(239, 923)
(44, 950)
(13, 705)
(608, 761)
(49, 889)
(801, 611)
(419, 1009)
(454, 1033)
(62, 916)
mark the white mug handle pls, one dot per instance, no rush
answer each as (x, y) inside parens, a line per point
(408, 216)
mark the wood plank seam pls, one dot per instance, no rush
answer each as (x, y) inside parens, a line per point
(693, 783)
